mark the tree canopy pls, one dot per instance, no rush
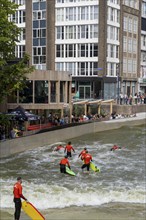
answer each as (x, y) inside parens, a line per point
(13, 71)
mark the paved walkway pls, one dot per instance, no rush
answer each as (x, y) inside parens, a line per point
(138, 116)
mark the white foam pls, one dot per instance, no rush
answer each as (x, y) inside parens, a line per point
(46, 196)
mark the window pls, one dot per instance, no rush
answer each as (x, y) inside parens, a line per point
(60, 50)
(60, 32)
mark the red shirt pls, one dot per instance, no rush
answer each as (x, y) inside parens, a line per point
(87, 158)
(115, 147)
(17, 191)
(69, 148)
(65, 161)
(82, 154)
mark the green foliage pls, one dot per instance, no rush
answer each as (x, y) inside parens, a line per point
(4, 120)
(13, 72)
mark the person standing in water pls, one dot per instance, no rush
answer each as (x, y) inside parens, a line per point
(82, 153)
(87, 159)
(17, 191)
(63, 164)
(68, 149)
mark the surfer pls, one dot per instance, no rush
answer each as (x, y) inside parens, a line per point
(115, 147)
(82, 153)
(87, 159)
(59, 147)
(17, 191)
(69, 148)
(63, 164)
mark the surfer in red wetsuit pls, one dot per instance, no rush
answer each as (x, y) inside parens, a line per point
(17, 191)
(87, 159)
(69, 148)
(115, 147)
(63, 164)
(59, 147)
(82, 153)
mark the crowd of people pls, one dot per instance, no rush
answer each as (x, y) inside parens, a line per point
(138, 98)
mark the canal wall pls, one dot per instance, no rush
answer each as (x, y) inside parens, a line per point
(21, 144)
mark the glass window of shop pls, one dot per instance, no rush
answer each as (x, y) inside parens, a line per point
(62, 85)
(41, 91)
(26, 95)
(53, 91)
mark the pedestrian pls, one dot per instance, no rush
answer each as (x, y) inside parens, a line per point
(87, 159)
(68, 149)
(82, 153)
(17, 191)
(63, 164)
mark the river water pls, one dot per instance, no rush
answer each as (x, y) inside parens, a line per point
(117, 192)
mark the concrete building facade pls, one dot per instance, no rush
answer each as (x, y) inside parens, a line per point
(100, 42)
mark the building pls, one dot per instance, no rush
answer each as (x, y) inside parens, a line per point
(47, 89)
(98, 42)
(142, 79)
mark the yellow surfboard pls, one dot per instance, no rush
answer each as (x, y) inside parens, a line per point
(31, 211)
(94, 167)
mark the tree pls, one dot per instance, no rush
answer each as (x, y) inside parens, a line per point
(13, 71)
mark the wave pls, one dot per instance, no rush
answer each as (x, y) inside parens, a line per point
(46, 196)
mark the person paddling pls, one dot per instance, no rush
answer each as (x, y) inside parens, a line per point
(59, 147)
(68, 149)
(63, 164)
(87, 159)
(115, 147)
(17, 191)
(82, 153)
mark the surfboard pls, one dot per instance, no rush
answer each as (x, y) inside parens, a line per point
(69, 171)
(94, 167)
(31, 211)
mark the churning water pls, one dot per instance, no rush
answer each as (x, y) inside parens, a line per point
(122, 177)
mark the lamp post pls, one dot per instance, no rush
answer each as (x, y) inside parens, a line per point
(118, 86)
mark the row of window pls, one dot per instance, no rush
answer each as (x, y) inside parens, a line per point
(79, 68)
(77, 50)
(130, 23)
(129, 65)
(77, 13)
(143, 9)
(143, 40)
(116, 2)
(70, 1)
(19, 17)
(113, 15)
(129, 45)
(38, 15)
(19, 2)
(77, 32)
(41, 91)
(20, 51)
(112, 33)
(132, 3)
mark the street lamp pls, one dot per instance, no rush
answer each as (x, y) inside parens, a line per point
(118, 80)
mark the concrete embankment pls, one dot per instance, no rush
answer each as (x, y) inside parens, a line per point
(17, 145)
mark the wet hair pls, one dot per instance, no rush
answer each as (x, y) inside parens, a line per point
(66, 156)
(86, 151)
(69, 142)
(19, 178)
(85, 148)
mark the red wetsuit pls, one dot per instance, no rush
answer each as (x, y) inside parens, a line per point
(69, 148)
(87, 158)
(82, 154)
